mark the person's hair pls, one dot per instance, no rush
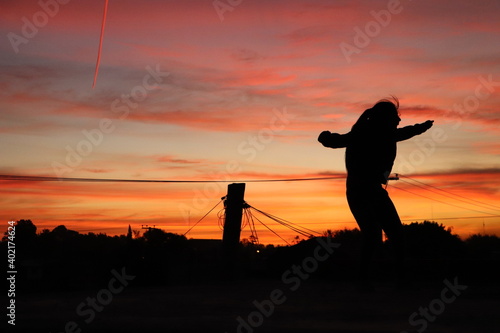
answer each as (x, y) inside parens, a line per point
(377, 114)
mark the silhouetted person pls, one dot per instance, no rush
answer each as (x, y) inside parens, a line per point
(370, 153)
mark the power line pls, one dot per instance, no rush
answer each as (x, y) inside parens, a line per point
(469, 200)
(107, 180)
(456, 218)
(283, 222)
(443, 202)
(448, 196)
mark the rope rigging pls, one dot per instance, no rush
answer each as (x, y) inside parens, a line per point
(194, 225)
(274, 232)
(254, 238)
(293, 226)
(248, 219)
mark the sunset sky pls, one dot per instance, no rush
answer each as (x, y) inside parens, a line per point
(206, 90)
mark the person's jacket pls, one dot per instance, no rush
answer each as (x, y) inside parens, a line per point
(370, 152)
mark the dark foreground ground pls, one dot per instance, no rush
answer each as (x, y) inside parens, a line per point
(72, 283)
(316, 305)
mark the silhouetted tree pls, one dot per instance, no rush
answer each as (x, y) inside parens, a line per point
(137, 233)
(24, 237)
(430, 240)
(61, 232)
(69, 259)
(25, 231)
(155, 236)
(344, 235)
(483, 246)
(350, 239)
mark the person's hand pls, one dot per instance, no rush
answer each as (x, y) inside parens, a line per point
(428, 124)
(324, 136)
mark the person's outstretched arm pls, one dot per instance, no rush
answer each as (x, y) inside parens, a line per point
(334, 140)
(408, 132)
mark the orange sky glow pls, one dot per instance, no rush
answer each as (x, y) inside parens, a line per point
(240, 90)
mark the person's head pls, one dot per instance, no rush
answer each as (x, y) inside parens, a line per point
(383, 115)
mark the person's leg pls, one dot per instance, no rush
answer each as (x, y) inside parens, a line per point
(372, 241)
(363, 208)
(393, 228)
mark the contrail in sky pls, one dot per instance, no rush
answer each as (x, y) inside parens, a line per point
(100, 42)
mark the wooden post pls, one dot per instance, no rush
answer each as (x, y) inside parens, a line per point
(232, 224)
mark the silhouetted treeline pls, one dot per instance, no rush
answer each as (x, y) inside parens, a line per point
(65, 259)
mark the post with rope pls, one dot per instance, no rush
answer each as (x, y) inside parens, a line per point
(232, 225)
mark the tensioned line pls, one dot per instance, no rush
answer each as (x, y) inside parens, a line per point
(68, 179)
